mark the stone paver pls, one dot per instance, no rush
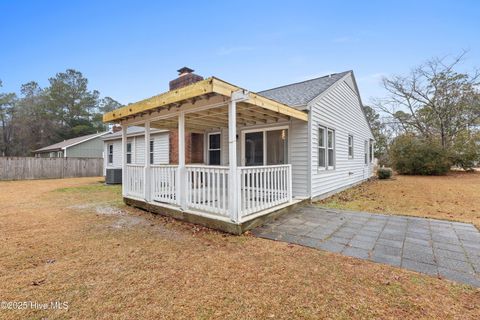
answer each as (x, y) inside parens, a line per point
(435, 247)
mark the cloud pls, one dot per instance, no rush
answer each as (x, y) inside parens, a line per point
(346, 39)
(225, 51)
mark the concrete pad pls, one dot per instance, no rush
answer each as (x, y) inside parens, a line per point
(433, 247)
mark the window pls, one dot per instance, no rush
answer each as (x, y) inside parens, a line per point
(321, 148)
(350, 146)
(371, 150)
(110, 153)
(326, 148)
(129, 152)
(151, 151)
(59, 154)
(366, 152)
(331, 148)
(265, 147)
(214, 149)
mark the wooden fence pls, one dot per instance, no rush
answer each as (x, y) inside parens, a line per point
(25, 168)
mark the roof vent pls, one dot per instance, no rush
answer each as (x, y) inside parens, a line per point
(185, 78)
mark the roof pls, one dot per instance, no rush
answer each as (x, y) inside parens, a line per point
(70, 142)
(301, 93)
(131, 131)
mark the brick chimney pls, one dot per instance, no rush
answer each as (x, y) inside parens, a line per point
(116, 128)
(185, 77)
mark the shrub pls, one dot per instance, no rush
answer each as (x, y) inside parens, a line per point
(384, 173)
(412, 155)
(465, 152)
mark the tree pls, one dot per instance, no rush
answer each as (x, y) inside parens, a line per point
(7, 114)
(37, 125)
(465, 152)
(434, 101)
(73, 104)
(379, 131)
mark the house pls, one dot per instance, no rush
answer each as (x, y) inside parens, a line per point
(89, 146)
(112, 149)
(289, 144)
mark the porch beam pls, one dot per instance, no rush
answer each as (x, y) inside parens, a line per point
(193, 94)
(225, 88)
(172, 112)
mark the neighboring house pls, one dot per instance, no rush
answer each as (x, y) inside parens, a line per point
(112, 149)
(292, 143)
(89, 146)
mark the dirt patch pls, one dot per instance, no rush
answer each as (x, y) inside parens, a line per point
(162, 269)
(453, 197)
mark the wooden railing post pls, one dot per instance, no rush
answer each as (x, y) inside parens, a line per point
(181, 182)
(124, 160)
(289, 186)
(147, 195)
(232, 159)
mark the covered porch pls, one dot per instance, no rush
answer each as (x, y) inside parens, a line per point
(243, 172)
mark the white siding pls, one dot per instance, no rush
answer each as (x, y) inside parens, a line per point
(160, 150)
(339, 108)
(298, 157)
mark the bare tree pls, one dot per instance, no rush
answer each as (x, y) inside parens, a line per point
(434, 100)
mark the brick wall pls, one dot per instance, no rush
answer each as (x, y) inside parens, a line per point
(196, 151)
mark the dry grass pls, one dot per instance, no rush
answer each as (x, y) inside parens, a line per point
(452, 197)
(72, 240)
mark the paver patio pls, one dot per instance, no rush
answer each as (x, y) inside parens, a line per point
(435, 247)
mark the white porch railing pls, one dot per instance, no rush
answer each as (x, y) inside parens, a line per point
(134, 183)
(263, 187)
(164, 181)
(207, 188)
(258, 188)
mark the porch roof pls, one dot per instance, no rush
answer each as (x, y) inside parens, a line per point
(199, 96)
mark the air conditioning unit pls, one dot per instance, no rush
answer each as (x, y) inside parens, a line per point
(114, 176)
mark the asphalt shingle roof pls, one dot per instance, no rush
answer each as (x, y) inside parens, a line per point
(300, 93)
(69, 142)
(132, 130)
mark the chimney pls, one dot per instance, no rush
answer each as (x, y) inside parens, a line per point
(116, 128)
(185, 77)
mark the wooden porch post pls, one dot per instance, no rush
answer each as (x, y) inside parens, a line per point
(124, 159)
(181, 183)
(232, 159)
(146, 169)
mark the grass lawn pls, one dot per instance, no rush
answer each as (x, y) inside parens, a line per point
(74, 241)
(452, 197)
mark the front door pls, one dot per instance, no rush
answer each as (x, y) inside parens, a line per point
(265, 147)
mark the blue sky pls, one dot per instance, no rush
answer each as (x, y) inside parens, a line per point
(129, 50)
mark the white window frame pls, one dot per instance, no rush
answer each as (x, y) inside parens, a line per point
(217, 149)
(264, 131)
(333, 148)
(129, 153)
(151, 153)
(365, 152)
(326, 146)
(110, 153)
(351, 147)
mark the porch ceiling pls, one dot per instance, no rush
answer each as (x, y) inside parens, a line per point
(205, 105)
(217, 117)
